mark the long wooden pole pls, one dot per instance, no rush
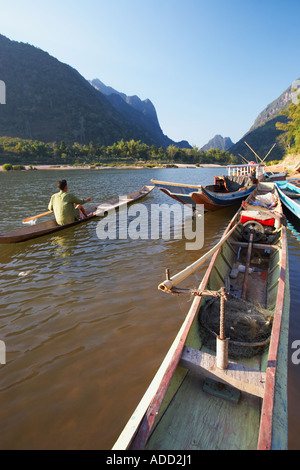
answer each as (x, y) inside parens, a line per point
(262, 160)
(243, 158)
(268, 153)
(168, 284)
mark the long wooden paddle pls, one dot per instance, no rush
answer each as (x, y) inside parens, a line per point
(36, 216)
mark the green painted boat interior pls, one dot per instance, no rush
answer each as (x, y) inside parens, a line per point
(190, 418)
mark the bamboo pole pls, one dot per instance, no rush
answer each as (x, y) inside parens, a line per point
(168, 284)
(253, 151)
(243, 158)
(268, 153)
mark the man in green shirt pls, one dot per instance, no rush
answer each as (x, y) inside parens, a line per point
(66, 206)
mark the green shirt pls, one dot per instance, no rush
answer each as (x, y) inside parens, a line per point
(62, 204)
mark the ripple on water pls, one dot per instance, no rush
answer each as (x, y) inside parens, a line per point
(86, 328)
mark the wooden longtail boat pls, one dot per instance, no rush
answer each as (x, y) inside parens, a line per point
(227, 190)
(290, 196)
(50, 226)
(200, 399)
(270, 177)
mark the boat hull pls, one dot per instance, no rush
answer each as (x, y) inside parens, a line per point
(214, 201)
(35, 231)
(271, 177)
(192, 195)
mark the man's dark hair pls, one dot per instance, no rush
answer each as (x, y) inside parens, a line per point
(62, 184)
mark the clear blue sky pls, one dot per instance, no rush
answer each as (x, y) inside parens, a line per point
(209, 66)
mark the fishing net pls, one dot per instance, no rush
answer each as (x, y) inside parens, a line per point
(247, 326)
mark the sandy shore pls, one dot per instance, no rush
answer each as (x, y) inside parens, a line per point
(129, 167)
(281, 167)
(202, 165)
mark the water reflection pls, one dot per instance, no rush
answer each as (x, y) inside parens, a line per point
(62, 247)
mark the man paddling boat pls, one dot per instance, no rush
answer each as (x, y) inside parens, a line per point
(67, 208)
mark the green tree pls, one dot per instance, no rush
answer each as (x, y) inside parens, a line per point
(171, 151)
(290, 137)
(7, 167)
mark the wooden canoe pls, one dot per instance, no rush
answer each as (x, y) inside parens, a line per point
(50, 226)
(193, 403)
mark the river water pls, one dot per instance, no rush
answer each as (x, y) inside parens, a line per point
(84, 325)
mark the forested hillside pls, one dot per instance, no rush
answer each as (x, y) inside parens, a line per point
(49, 101)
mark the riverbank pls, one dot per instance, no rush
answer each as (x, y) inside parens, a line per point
(288, 165)
(117, 167)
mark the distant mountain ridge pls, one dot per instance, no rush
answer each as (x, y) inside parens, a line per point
(280, 103)
(50, 101)
(218, 142)
(141, 113)
(146, 107)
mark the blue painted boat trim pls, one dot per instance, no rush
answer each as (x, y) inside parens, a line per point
(291, 204)
(184, 194)
(225, 199)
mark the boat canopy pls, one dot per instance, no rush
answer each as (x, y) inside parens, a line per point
(247, 170)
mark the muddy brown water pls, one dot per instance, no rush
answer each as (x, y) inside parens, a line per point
(84, 325)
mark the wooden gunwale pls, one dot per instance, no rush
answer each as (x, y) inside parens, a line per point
(265, 434)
